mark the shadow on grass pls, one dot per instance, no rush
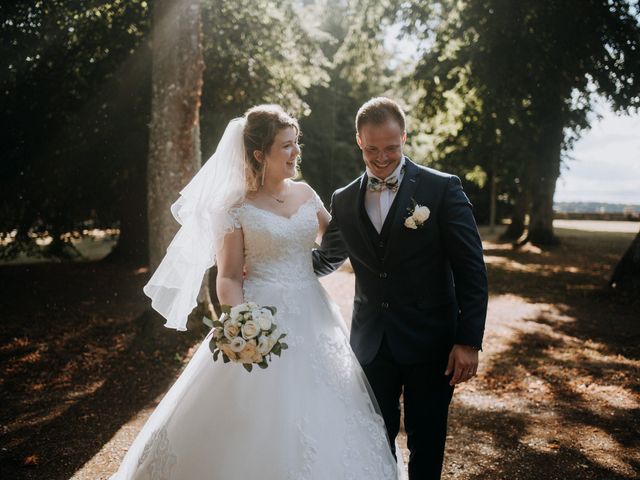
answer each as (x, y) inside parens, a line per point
(79, 357)
(569, 376)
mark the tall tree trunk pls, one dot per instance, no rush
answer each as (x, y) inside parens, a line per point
(626, 275)
(516, 228)
(546, 170)
(174, 142)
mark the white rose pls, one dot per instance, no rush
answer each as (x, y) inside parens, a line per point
(421, 214)
(410, 223)
(231, 330)
(237, 344)
(252, 305)
(264, 319)
(250, 330)
(235, 311)
(266, 344)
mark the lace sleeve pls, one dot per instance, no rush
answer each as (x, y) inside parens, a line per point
(234, 213)
(317, 201)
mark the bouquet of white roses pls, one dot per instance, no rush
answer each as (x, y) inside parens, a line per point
(246, 334)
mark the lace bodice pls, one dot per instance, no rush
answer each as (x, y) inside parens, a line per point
(277, 248)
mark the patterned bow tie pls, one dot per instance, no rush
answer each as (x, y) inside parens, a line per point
(376, 185)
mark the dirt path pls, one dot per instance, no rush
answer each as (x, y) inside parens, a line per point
(557, 395)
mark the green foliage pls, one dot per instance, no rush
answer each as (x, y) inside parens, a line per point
(350, 36)
(507, 86)
(71, 74)
(75, 97)
(255, 51)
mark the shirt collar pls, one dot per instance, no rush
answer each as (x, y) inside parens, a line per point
(397, 172)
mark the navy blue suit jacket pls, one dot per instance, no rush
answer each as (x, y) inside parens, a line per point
(424, 289)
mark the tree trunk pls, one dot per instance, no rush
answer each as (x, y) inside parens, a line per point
(546, 170)
(516, 228)
(174, 140)
(626, 275)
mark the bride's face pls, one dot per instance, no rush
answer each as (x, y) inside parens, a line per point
(282, 158)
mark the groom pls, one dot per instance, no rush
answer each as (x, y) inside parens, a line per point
(421, 286)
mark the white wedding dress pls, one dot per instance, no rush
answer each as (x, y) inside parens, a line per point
(309, 415)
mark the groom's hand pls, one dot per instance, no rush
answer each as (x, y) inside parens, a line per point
(463, 362)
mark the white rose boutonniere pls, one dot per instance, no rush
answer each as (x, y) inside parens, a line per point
(410, 223)
(418, 215)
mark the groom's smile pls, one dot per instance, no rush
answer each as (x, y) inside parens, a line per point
(381, 146)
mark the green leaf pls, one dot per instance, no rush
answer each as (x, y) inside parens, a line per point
(216, 354)
(212, 345)
(225, 309)
(207, 321)
(273, 310)
(225, 358)
(282, 336)
(284, 346)
(263, 364)
(247, 366)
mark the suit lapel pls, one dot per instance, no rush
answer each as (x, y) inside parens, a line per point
(402, 202)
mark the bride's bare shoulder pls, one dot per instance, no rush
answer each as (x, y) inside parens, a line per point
(302, 189)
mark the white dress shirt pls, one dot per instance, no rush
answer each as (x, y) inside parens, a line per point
(377, 204)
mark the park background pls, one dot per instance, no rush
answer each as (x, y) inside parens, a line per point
(110, 107)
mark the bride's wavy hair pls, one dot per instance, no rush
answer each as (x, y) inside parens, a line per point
(263, 122)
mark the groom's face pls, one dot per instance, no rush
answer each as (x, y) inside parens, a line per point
(381, 146)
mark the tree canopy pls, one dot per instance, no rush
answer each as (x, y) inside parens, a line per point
(495, 91)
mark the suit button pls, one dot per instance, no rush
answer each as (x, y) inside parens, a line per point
(385, 305)
(381, 244)
(383, 275)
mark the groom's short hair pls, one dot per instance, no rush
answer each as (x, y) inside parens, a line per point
(377, 111)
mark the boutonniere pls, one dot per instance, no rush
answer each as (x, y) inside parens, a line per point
(418, 214)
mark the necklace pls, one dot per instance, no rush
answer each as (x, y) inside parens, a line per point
(279, 200)
(275, 198)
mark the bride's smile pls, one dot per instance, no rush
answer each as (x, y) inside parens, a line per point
(282, 157)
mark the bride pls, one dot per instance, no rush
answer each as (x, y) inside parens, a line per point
(310, 414)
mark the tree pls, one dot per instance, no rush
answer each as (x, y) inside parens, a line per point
(529, 71)
(74, 126)
(626, 276)
(174, 137)
(344, 31)
(174, 153)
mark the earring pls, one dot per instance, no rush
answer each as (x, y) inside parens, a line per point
(264, 170)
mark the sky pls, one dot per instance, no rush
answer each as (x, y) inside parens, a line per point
(605, 162)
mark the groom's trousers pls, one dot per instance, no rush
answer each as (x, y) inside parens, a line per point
(427, 395)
